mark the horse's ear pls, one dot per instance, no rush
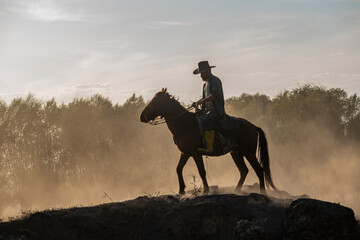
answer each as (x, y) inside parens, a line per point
(165, 89)
(162, 89)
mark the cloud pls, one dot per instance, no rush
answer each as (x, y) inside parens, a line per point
(63, 94)
(67, 93)
(90, 86)
(92, 59)
(335, 54)
(170, 23)
(157, 25)
(84, 89)
(45, 10)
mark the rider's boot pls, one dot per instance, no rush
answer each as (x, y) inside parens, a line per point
(209, 137)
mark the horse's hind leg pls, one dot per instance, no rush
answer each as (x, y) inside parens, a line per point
(239, 161)
(200, 165)
(183, 160)
(258, 170)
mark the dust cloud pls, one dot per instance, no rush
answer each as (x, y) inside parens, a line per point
(94, 152)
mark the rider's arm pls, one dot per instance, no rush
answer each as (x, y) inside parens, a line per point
(204, 100)
(216, 88)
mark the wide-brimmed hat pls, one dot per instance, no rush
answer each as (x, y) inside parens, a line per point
(202, 67)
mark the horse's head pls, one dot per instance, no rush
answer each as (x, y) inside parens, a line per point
(156, 107)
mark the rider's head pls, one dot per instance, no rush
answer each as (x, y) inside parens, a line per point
(206, 75)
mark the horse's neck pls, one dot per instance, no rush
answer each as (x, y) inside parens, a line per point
(174, 109)
(175, 117)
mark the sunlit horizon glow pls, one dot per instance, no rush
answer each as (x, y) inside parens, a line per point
(67, 49)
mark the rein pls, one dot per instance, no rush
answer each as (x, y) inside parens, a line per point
(160, 120)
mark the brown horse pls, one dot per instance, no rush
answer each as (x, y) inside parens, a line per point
(185, 130)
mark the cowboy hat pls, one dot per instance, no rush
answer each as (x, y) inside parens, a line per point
(202, 67)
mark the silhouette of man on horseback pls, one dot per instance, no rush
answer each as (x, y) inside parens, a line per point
(212, 105)
(246, 138)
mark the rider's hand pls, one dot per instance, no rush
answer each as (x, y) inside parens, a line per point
(194, 104)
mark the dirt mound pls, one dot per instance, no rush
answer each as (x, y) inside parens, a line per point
(223, 216)
(313, 219)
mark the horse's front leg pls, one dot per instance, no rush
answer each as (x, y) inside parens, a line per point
(183, 160)
(200, 165)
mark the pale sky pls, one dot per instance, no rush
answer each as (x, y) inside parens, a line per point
(76, 48)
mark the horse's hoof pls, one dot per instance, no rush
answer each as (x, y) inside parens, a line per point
(206, 190)
(182, 192)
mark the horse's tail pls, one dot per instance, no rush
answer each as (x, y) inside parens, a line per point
(264, 158)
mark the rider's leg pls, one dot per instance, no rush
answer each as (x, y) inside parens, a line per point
(207, 126)
(209, 137)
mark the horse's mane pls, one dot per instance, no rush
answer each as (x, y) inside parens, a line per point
(174, 101)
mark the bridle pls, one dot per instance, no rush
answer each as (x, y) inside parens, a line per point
(161, 120)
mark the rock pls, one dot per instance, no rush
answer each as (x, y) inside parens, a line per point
(247, 230)
(314, 219)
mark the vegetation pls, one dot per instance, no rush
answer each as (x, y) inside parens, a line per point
(47, 149)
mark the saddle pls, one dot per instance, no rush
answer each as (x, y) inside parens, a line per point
(225, 135)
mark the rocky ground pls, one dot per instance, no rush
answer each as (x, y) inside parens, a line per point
(193, 216)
